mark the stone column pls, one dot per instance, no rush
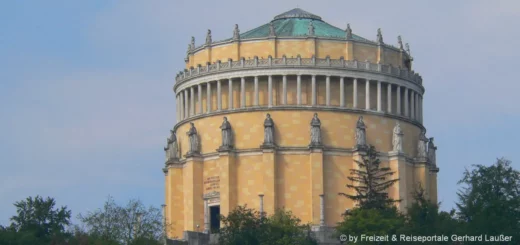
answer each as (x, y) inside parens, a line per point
(284, 90)
(367, 95)
(421, 107)
(342, 92)
(379, 102)
(327, 91)
(199, 93)
(219, 96)
(354, 94)
(192, 101)
(177, 112)
(208, 97)
(313, 87)
(243, 92)
(398, 102)
(186, 104)
(389, 98)
(299, 90)
(322, 210)
(417, 117)
(230, 94)
(406, 102)
(181, 106)
(256, 97)
(270, 90)
(206, 217)
(412, 104)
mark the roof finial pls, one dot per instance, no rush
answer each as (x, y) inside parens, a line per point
(236, 33)
(348, 32)
(400, 42)
(208, 37)
(379, 36)
(311, 29)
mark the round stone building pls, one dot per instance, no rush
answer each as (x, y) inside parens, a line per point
(275, 117)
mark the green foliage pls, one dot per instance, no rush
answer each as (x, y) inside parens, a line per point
(371, 221)
(423, 218)
(246, 226)
(37, 221)
(489, 202)
(370, 182)
(132, 224)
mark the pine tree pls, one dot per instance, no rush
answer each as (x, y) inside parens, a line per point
(371, 181)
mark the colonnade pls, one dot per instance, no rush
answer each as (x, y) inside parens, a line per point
(409, 104)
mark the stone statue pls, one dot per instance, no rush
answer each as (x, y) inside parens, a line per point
(227, 135)
(315, 131)
(192, 43)
(272, 32)
(268, 131)
(188, 52)
(208, 38)
(408, 49)
(400, 42)
(311, 29)
(379, 36)
(348, 32)
(167, 149)
(236, 33)
(432, 152)
(194, 140)
(174, 149)
(361, 140)
(397, 138)
(422, 144)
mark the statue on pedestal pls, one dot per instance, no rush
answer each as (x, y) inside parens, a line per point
(194, 141)
(422, 145)
(397, 138)
(432, 152)
(379, 36)
(315, 131)
(361, 140)
(208, 38)
(272, 32)
(227, 135)
(348, 32)
(236, 33)
(311, 29)
(268, 131)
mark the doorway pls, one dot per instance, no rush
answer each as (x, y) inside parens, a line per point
(214, 218)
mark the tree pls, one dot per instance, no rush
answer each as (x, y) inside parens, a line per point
(423, 218)
(489, 201)
(371, 221)
(370, 181)
(246, 226)
(37, 221)
(131, 224)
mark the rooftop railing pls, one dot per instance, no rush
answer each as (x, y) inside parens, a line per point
(231, 65)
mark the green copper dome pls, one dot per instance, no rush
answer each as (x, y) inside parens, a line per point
(295, 23)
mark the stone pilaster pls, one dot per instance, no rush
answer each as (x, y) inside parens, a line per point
(399, 190)
(422, 174)
(193, 191)
(228, 195)
(433, 184)
(269, 179)
(316, 173)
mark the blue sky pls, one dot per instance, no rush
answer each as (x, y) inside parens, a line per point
(86, 97)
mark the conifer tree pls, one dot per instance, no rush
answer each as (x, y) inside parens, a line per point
(370, 182)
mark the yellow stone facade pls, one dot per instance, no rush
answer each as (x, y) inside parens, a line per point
(291, 175)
